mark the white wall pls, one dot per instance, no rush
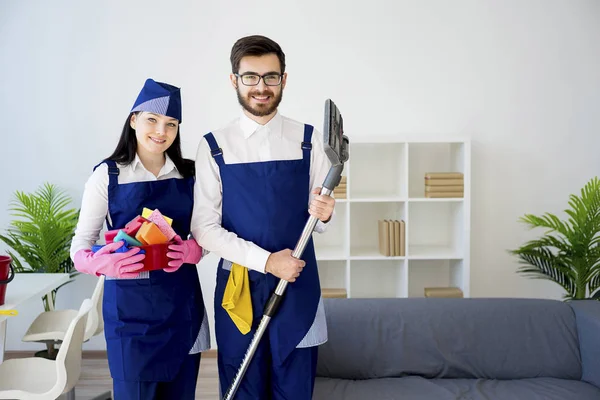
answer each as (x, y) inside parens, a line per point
(518, 77)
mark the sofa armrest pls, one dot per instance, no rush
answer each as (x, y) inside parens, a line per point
(587, 314)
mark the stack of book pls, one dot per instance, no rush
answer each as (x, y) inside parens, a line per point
(340, 190)
(338, 293)
(392, 239)
(445, 292)
(444, 184)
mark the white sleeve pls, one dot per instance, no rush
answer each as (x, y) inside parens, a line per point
(319, 167)
(207, 216)
(94, 208)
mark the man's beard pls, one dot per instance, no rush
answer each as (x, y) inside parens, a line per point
(260, 110)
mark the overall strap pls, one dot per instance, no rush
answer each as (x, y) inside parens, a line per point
(307, 142)
(113, 172)
(215, 150)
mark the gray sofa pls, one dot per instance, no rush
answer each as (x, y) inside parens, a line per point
(446, 349)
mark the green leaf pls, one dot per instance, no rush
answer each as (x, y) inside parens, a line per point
(568, 250)
(41, 231)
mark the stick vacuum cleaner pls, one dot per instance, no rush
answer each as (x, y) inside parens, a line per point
(336, 149)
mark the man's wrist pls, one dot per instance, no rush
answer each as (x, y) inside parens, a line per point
(257, 259)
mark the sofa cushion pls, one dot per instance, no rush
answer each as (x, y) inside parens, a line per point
(587, 314)
(417, 388)
(450, 338)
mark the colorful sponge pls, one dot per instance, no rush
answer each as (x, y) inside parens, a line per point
(122, 249)
(131, 229)
(128, 239)
(162, 224)
(150, 234)
(146, 213)
(109, 236)
(134, 225)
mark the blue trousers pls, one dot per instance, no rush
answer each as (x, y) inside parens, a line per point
(183, 387)
(294, 380)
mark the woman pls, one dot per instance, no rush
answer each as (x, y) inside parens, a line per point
(154, 321)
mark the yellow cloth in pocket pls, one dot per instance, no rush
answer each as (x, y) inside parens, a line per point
(236, 298)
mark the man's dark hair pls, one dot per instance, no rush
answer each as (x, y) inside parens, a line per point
(255, 45)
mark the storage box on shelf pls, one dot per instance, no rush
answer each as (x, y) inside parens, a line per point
(398, 181)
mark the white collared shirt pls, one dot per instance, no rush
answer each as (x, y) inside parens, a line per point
(94, 204)
(244, 141)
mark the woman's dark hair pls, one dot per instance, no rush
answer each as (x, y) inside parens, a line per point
(127, 147)
(255, 45)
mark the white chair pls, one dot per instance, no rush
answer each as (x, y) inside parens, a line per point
(38, 378)
(50, 326)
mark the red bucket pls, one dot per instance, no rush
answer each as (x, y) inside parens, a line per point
(156, 256)
(7, 274)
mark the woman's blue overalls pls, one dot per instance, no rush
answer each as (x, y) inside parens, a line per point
(151, 323)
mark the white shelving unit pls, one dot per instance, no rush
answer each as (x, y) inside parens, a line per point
(385, 180)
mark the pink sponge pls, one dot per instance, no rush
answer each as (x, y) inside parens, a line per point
(162, 224)
(134, 225)
(109, 236)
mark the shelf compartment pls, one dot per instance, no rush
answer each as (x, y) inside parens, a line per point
(332, 244)
(332, 275)
(435, 157)
(377, 170)
(435, 273)
(377, 279)
(437, 230)
(364, 226)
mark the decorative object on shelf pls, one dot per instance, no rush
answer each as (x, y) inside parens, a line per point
(392, 238)
(568, 253)
(444, 184)
(334, 293)
(445, 292)
(340, 190)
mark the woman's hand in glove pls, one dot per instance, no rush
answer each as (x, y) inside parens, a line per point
(183, 252)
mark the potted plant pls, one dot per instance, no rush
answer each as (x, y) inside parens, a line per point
(568, 253)
(40, 237)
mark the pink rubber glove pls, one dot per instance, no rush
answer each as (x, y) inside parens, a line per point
(183, 252)
(105, 262)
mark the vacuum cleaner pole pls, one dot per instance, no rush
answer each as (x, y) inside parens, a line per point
(336, 148)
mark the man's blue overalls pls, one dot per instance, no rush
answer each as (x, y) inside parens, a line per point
(267, 203)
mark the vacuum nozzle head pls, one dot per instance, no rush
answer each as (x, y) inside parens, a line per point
(334, 140)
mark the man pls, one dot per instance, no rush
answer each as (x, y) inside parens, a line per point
(257, 184)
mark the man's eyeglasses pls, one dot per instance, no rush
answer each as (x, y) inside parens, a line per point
(254, 79)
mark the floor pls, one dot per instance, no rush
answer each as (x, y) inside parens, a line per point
(95, 379)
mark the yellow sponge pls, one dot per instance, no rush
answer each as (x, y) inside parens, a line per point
(146, 213)
(149, 234)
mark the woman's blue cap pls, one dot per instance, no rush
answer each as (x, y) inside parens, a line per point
(159, 98)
